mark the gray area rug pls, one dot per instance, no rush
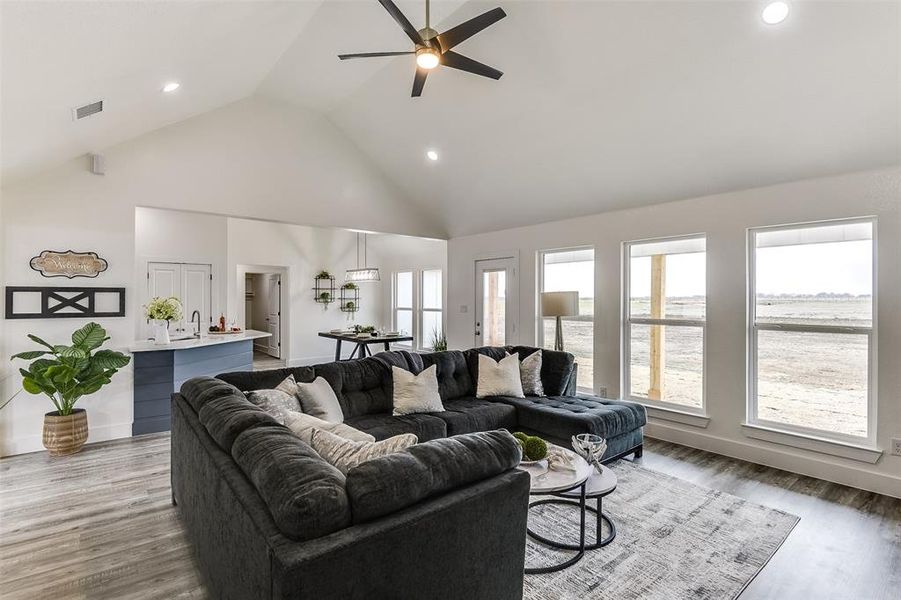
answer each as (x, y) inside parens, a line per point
(674, 540)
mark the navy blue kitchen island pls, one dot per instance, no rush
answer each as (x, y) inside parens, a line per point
(160, 369)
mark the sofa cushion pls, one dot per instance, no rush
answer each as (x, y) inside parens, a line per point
(556, 368)
(385, 485)
(304, 494)
(363, 386)
(468, 415)
(454, 377)
(200, 390)
(530, 373)
(562, 417)
(472, 358)
(265, 380)
(499, 378)
(224, 411)
(319, 400)
(425, 426)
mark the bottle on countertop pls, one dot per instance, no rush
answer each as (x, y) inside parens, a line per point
(221, 322)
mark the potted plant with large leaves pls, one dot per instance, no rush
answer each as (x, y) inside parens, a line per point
(65, 374)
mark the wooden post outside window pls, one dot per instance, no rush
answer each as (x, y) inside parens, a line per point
(658, 341)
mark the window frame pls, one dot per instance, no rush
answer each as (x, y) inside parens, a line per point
(422, 309)
(539, 320)
(628, 320)
(753, 328)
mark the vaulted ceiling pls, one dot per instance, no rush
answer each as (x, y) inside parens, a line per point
(603, 105)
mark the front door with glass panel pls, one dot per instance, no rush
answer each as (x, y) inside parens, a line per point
(496, 302)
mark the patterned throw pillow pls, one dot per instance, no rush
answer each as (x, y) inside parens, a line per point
(288, 385)
(416, 393)
(499, 378)
(303, 426)
(530, 374)
(346, 454)
(275, 402)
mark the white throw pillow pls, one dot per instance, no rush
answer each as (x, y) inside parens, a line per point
(346, 454)
(288, 385)
(303, 426)
(499, 378)
(319, 400)
(416, 393)
(530, 374)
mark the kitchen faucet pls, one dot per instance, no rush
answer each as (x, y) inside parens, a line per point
(196, 312)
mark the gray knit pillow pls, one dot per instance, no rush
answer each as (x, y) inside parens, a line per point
(530, 374)
(346, 454)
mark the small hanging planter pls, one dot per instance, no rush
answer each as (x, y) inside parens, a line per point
(324, 288)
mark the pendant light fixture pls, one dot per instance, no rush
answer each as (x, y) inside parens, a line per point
(364, 273)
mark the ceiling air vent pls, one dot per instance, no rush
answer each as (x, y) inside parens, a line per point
(88, 109)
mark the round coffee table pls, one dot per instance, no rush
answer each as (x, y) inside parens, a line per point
(557, 483)
(598, 485)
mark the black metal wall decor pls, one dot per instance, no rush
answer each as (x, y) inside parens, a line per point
(61, 302)
(54, 263)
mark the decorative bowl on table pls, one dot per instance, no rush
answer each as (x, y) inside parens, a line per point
(590, 447)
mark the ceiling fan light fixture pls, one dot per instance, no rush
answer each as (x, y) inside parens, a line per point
(427, 58)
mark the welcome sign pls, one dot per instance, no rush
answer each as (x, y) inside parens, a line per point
(51, 263)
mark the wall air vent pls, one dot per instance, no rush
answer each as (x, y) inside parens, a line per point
(87, 110)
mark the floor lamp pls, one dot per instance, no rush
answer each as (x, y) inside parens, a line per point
(559, 305)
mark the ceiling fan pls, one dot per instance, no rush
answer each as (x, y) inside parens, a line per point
(433, 48)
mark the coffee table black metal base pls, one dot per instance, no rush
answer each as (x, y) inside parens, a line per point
(599, 542)
(554, 544)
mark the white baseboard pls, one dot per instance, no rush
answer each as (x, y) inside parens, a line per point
(796, 461)
(35, 443)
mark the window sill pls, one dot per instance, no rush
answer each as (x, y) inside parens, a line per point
(859, 452)
(676, 416)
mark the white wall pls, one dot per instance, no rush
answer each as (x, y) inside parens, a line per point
(256, 158)
(725, 219)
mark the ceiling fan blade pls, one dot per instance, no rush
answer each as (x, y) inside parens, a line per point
(458, 61)
(419, 82)
(392, 9)
(372, 54)
(467, 29)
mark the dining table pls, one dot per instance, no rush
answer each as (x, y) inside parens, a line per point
(362, 341)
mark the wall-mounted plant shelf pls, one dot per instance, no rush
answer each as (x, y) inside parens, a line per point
(324, 289)
(349, 298)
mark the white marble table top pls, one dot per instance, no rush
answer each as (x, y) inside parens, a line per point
(599, 484)
(547, 481)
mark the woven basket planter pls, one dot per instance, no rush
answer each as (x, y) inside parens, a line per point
(65, 435)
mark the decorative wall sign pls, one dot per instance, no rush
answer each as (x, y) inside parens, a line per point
(64, 302)
(51, 263)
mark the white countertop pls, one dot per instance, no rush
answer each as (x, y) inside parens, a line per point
(204, 340)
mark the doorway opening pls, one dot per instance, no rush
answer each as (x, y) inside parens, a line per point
(497, 302)
(263, 312)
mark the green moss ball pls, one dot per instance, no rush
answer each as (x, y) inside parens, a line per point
(535, 448)
(520, 436)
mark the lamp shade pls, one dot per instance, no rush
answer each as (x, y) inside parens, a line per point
(559, 304)
(358, 275)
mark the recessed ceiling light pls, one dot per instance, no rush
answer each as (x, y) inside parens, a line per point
(775, 13)
(432, 155)
(171, 86)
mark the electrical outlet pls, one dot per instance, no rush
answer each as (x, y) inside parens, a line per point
(896, 446)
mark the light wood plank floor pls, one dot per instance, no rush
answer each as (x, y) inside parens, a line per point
(262, 361)
(100, 525)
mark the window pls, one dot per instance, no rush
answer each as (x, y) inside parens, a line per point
(564, 271)
(418, 305)
(430, 314)
(403, 304)
(811, 329)
(665, 289)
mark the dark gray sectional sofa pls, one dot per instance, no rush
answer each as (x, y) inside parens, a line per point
(446, 518)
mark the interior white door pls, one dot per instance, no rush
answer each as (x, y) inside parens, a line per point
(190, 283)
(497, 302)
(275, 315)
(196, 294)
